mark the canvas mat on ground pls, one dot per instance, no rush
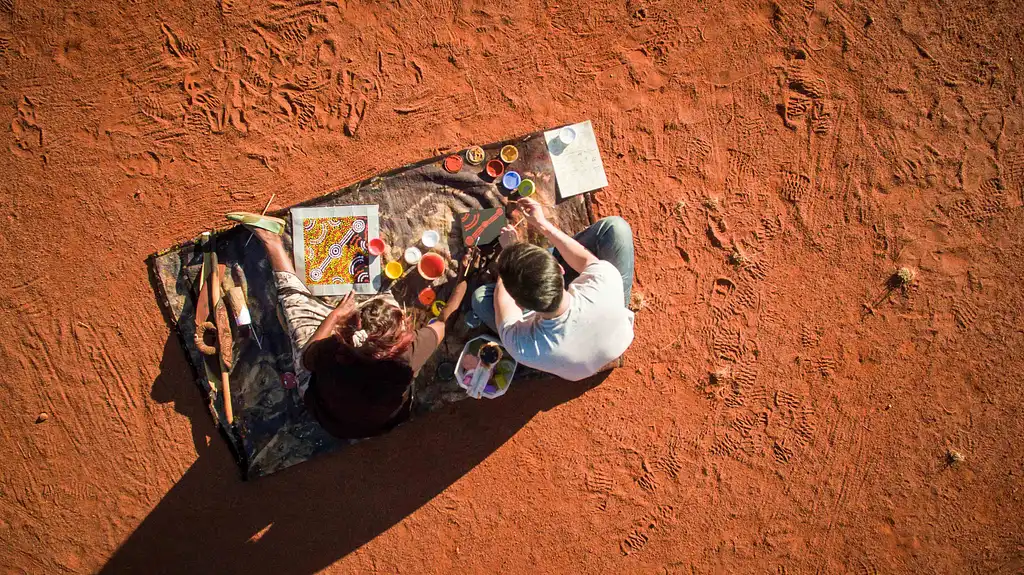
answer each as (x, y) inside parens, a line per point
(272, 430)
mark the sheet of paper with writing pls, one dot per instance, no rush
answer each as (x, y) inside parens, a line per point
(576, 159)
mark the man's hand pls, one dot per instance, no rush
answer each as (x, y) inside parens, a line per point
(533, 212)
(508, 236)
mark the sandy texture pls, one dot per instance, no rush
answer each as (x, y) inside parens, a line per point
(783, 410)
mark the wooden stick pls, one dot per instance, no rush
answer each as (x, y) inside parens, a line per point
(215, 295)
(263, 213)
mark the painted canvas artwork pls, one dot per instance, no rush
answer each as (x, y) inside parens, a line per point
(482, 226)
(330, 249)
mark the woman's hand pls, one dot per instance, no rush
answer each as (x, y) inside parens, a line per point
(346, 307)
(508, 236)
(469, 261)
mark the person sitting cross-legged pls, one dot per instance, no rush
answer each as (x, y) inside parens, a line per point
(355, 364)
(573, 330)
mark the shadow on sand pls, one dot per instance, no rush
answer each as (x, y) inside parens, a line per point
(305, 518)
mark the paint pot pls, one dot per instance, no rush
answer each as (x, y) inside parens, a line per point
(453, 163)
(437, 307)
(511, 180)
(431, 266)
(376, 246)
(289, 381)
(526, 188)
(445, 371)
(472, 320)
(427, 296)
(393, 270)
(430, 238)
(495, 168)
(413, 255)
(475, 156)
(509, 153)
(567, 135)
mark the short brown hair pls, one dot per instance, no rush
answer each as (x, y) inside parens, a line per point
(532, 277)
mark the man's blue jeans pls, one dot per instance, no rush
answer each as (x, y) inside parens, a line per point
(610, 239)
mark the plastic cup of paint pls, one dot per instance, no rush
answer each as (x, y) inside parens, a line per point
(376, 246)
(437, 307)
(427, 296)
(431, 266)
(393, 270)
(526, 188)
(495, 168)
(413, 255)
(567, 135)
(430, 238)
(511, 180)
(475, 155)
(509, 153)
(453, 163)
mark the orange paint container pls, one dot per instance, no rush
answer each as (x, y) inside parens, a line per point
(431, 266)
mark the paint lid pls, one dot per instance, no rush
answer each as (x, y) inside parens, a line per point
(511, 180)
(430, 238)
(453, 163)
(412, 255)
(437, 307)
(567, 135)
(526, 188)
(427, 296)
(495, 168)
(475, 155)
(509, 153)
(445, 371)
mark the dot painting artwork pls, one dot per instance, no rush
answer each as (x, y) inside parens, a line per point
(336, 250)
(330, 246)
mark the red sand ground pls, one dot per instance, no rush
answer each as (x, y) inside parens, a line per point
(778, 163)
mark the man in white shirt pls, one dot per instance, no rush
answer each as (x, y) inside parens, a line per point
(573, 331)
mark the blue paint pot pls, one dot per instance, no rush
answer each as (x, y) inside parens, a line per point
(511, 180)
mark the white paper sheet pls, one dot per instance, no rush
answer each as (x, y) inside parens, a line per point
(298, 247)
(578, 166)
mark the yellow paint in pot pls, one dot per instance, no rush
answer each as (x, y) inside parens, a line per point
(393, 270)
(509, 153)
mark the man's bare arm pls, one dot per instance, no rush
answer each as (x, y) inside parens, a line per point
(571, 251)
(505, 307)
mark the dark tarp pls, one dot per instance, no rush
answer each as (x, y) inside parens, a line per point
(271, 428)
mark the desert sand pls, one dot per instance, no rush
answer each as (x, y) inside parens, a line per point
(787, 407)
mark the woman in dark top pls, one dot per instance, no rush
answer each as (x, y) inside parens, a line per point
(355, 364)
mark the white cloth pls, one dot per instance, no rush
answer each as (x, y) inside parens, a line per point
(596, 329)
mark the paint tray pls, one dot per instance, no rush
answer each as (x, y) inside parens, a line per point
(501, 380)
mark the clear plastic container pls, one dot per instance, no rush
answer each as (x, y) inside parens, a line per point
(501, 378)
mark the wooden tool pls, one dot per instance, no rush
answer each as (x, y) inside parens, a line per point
(203, 325)
(224, 342)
